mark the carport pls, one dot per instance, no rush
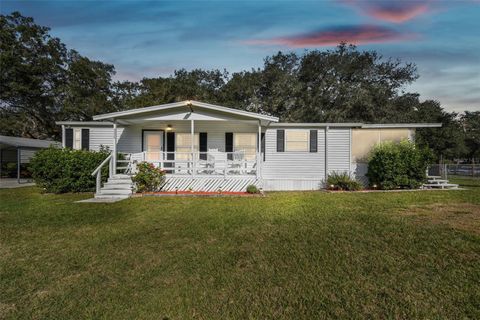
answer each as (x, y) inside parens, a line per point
(20, 150)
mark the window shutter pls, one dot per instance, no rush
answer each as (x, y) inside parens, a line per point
(203, 147)
(229, 144)
(280, 140)
(170, 148)
(85, 139)
(69, 138)
(313, 140)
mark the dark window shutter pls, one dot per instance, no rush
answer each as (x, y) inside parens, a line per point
(171, 145)
(229, 144)
(313, 140)
(203, 145)
(262, 141)
(280, 140)
(170, 148)
(85, 139)
(69, 138)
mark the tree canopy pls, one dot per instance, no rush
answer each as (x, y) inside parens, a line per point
(42, 82)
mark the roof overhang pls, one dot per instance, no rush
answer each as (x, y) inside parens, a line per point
(84, 123)
(27, 143)
(401, 125)
(315, 125)
(189, 103)
(359, 125)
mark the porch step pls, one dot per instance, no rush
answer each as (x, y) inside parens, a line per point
(118, 186)
(121, 176)
(115, 192)
(441, 185)
(208, 184)
(437, 181)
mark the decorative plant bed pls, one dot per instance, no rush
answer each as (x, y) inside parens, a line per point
(197, 194)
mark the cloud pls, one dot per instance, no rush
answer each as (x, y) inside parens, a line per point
(364, 34)
(391, 11)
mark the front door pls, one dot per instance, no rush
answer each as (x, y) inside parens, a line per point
(153, 145)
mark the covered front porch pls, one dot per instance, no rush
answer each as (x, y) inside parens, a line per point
(191, 141)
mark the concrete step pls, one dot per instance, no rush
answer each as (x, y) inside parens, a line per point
(122, 176)
(118, 183)
(437, 181)
(441, 185)
(112, 198)
(115, 192)
(117, 187)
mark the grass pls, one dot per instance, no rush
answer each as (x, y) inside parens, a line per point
(289, 255)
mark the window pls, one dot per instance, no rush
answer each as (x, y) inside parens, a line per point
(77, 139)
(297, 140)
(183, 143)
(246, 143)
(153, 144)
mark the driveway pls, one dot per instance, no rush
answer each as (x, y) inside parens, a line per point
(6, 183)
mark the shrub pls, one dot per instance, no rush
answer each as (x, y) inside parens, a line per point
(148, 177)
(252, 189)
(342, 181)
(398, 165)
(66, 170)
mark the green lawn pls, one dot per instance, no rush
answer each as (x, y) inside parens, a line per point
(308, 255)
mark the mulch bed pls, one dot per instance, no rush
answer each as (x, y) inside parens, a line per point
(197, 194)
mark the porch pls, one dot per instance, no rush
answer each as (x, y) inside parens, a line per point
(197, 164)
(200, 146)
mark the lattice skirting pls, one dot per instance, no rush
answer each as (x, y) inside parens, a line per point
(208, 184)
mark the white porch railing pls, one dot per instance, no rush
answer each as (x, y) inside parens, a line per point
(201, 163)
(98, 171)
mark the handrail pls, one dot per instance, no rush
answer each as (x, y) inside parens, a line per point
(102, 164)
(98, 172)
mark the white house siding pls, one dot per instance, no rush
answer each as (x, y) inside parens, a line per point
(130, 137)
(338, 150)
(293, 170)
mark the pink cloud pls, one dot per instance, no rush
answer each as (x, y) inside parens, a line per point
(365, 34)
(391, 11)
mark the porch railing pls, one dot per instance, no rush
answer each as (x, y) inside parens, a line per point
(98, 172)
(201, 163)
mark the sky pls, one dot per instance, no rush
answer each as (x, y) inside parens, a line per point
(153, 38)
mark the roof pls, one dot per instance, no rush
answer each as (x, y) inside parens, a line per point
(84, 123)
(190, 103)
(26, 142)
(359, 125)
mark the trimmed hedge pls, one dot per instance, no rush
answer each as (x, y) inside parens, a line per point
(398, 165)
(66, 170)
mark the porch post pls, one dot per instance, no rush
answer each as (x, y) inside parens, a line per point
(114, 155)
(192, 136)
(63, 136)
(259, 148)
(18, 164)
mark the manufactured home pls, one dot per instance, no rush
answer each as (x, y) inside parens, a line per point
(208, 147)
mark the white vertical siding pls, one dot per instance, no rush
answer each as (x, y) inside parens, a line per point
(338, 149)
(293, 170)
(130, 137)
